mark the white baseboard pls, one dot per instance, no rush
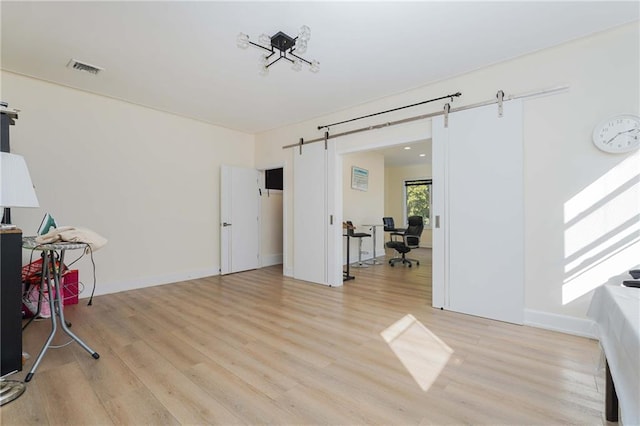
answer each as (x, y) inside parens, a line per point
(571, 325)
(116, 287)
(287, 272)
(272, 259)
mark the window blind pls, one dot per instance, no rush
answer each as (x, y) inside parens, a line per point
(417, 182)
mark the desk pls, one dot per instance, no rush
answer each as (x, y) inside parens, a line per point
(49, 270)
(616, 310)
(373, 234)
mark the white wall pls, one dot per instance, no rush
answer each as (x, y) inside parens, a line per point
(364, 207)
(394, 194)
(560, 160)
(148, 181)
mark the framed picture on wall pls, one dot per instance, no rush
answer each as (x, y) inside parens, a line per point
(359, 178)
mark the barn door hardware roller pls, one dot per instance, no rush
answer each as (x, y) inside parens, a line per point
(500, 96)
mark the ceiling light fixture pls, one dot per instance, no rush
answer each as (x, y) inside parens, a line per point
(423, 155)
(281, 46)
(407, 147)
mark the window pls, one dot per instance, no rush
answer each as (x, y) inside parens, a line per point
(417, 198)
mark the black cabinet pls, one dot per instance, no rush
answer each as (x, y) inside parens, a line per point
(11, 301)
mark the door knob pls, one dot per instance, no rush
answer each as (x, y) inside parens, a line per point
(226, 224)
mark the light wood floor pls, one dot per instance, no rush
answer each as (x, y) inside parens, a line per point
(258, 348)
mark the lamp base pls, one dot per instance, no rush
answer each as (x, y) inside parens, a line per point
(10, 390)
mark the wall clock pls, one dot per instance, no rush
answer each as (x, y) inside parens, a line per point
(618, 134)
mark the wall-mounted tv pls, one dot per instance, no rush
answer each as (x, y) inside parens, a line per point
(273, 179)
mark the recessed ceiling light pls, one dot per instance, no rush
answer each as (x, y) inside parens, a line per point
(423, 155)
(407, 147)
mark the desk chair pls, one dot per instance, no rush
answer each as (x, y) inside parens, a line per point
(410, 240)
(389, 226)
(359, 236)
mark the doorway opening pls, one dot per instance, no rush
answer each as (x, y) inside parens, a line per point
(272, 217)
(388, 168)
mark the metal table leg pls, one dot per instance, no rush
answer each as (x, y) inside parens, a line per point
(345, 274)
(373, 260)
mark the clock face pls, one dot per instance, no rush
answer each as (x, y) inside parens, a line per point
(618, 134)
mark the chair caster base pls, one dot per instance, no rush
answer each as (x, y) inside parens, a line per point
(408, 262)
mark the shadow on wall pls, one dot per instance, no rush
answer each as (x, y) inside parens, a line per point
(602, 230)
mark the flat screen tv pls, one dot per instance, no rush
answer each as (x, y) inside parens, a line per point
(273, 179)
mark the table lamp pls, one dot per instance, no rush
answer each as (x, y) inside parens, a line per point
(16, 190)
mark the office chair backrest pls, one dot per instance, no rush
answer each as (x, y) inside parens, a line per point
(388, 223)
(416, 226)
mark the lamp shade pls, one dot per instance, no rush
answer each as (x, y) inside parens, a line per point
(16, 189)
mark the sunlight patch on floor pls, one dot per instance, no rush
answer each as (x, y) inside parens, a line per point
(421, 352)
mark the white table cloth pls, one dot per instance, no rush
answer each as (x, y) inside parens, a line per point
(616, 311)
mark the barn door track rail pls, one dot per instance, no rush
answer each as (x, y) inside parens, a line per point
(499, 99)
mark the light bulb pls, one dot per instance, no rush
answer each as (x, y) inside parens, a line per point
(301, 46)
(263, 60)
(315, 66)
(242, 41)
(264, 39)
(297, 65)
(264, 71)
(304, 33)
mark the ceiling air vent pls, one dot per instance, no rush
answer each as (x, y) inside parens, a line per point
(83, 66)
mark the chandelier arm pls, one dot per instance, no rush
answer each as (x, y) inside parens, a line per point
(268, 65)
(302, 59)
(260, 46)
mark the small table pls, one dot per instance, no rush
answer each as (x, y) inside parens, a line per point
(50, 269)
(616, 310)
(373, 260)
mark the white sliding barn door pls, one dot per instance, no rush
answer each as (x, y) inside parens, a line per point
(313, 228)
(239, 225)
(478, 260)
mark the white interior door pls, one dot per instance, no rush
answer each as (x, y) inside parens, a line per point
(313, 226)
(239, 219)
(478, 197)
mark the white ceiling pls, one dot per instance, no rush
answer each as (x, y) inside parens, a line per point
(399, 155)
(181, 57)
